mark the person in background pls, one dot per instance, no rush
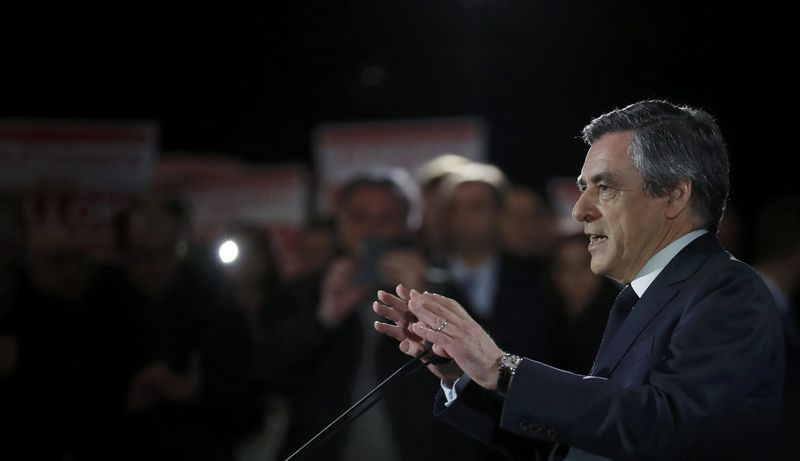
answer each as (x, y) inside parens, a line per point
(429, 176)
(503, 295)
(254, 277)
(583, 299)
(253, 274)
(528, 227)
(43, 278)
(343, 358)
(778, 263)
(170, 353)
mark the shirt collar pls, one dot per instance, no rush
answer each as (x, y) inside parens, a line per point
(656, 264)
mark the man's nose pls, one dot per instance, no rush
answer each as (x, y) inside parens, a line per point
(584, 210)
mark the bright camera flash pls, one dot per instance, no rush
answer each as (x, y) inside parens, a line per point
(228, 251)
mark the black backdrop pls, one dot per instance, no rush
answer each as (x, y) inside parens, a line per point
(254, 82)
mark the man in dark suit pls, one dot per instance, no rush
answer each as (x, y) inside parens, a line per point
(691, 362)
(492, 284)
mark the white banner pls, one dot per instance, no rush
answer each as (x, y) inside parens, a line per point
(342, 151)
(85, 155)
(221, 192)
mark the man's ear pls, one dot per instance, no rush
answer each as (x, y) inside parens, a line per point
(678, 200)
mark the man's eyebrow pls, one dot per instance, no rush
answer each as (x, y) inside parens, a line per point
(605, 177)
(602, 177)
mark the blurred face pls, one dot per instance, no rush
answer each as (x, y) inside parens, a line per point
(625, 226)
(473, 216)
(528, 228)
(371, 211)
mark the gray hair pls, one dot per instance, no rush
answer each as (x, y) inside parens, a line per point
(671, 144)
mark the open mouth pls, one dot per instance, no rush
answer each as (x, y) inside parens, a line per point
(595, 239)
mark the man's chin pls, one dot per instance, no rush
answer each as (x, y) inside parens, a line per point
(599, 268)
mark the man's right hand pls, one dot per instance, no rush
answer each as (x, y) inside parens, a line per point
(395, 308)
(339, 296)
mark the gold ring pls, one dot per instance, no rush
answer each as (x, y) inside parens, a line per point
(441, 327)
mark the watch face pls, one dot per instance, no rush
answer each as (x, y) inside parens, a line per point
(510, 361)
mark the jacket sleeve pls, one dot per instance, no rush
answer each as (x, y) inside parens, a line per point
(476, 412)
(724, 343)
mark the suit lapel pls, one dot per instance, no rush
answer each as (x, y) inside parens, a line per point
(663, 290)
(643, 313)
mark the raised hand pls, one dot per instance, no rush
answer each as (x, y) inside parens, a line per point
(446, 324)
(157, 381)
(339, 296)
(395, 308)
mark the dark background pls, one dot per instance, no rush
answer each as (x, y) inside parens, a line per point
(253, 82)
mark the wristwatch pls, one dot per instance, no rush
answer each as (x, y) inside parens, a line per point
(507, 364)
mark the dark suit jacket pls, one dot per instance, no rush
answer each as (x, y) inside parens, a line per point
(694, 372)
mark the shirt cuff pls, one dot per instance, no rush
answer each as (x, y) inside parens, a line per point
(452, 388)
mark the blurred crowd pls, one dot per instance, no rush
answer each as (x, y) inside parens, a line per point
(165, 353)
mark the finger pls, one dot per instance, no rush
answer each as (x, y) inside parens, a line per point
(393, 331)
(394, 315)
(412, 348)
(439, 340)
(427, 310)
(450, 304)
(392, 301)
(403, 292)
(397, 332)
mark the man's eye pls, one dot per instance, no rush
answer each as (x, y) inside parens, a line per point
(603, 188)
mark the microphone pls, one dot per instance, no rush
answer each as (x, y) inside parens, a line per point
(379, 392)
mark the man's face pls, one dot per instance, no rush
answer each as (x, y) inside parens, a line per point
(371, 211)
(473, 216)
(626, 227)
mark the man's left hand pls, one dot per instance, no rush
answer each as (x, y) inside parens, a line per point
(446, 324)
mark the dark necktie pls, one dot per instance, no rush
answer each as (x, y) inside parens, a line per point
(619, 311)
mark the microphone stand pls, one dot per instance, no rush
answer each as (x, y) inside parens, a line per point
(380, 391)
